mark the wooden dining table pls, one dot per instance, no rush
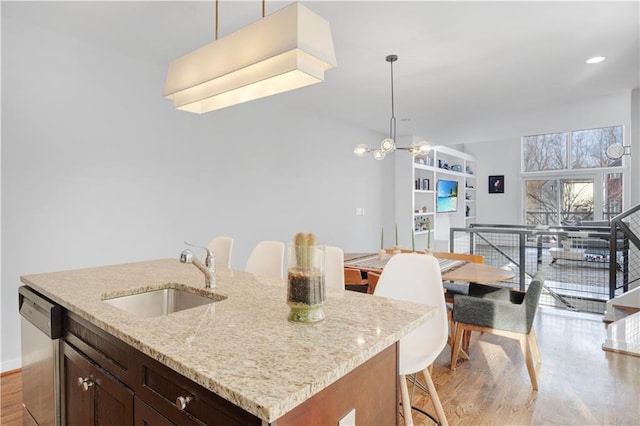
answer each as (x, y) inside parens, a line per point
(451, 270)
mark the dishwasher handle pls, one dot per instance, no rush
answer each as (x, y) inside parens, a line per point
(41, 312)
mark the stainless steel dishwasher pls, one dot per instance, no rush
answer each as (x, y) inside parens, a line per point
(41, 328)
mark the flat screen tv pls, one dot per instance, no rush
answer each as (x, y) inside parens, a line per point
(447, 196)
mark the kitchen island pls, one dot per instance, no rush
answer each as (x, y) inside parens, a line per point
(240, 348)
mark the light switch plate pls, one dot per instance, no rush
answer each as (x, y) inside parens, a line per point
(349, 419)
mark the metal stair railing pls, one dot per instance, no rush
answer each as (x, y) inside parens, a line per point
(482, 234)
(625, 238)
(594, 272)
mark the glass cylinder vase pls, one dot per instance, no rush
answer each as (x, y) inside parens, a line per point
(305, 283)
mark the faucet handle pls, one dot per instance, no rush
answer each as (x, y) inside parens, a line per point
(186, 256)
(210, 259)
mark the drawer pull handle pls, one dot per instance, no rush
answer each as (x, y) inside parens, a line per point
(181, 402)
(85, 383)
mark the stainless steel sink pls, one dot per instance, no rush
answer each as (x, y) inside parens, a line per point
(156, 303)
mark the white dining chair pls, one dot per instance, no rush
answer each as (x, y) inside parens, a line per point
(266, 258)
(416, 278)
(221, 248)
(334, 269)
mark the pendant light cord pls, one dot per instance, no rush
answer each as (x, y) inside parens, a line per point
(392, 122)
(263, 13)
(216, 19)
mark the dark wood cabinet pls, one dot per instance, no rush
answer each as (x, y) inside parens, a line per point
(161, 387)
(91, 394)
(111, 353)
(105, 381)
(147, 416)
(370, 390)
(110, 366)
(77, 404)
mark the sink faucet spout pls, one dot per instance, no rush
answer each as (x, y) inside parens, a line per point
(208, 268)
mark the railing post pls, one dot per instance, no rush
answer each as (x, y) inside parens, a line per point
(523, 259)
(539, 250)
(613, 260)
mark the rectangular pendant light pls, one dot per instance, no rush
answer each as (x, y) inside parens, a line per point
(286, 50)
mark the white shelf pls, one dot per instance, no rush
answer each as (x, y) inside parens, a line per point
(423, 167)
(452, 173)
(410, 175)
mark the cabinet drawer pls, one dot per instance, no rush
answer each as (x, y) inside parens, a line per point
(160, 387)
(110, 353)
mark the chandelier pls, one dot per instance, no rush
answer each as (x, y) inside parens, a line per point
(389, 144)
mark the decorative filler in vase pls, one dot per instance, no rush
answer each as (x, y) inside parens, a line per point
(305, 279)
(428, 249)
(396, 248)
(413, 240)
(382, 253)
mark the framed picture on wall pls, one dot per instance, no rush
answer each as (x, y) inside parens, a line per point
(496, 184)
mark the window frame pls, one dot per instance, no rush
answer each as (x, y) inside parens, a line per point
(597, 174)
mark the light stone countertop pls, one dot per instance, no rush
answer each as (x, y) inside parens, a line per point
(241, 348)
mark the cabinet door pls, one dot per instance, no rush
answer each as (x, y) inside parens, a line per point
(113, 401)
(91, 395)
(77, 404)
(147, 416)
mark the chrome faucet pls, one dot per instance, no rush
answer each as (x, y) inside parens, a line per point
(209, 267)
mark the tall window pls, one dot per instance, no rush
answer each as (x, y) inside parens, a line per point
(589, 147)
(611, 195)
(568, 177)
(544, 152)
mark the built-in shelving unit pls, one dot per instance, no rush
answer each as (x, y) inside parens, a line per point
(416, 196)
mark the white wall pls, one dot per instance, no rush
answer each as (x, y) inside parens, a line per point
(634, 142)
(98, 169)
(499, 153)
(500, 157)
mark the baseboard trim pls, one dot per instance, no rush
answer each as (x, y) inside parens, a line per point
(10, 372)
(9, 366)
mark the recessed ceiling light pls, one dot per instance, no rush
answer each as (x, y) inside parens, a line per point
(595, 59)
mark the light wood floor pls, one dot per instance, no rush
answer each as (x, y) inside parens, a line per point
(11, 398)
(579, 383)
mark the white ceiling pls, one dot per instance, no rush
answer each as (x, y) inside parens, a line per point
(458, 61)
